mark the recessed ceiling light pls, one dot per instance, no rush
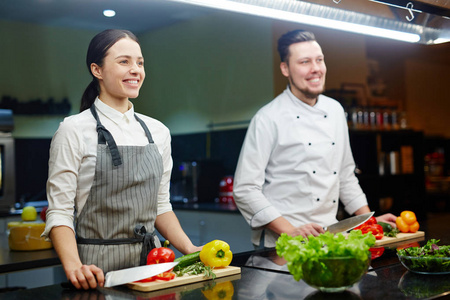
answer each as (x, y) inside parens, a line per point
(109, 13)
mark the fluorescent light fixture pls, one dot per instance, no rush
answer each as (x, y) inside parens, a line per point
(109, 13)
(304, 13)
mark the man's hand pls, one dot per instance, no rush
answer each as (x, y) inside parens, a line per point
(387, 218)
(308, 229)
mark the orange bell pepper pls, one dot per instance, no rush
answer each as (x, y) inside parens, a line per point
(407, 222)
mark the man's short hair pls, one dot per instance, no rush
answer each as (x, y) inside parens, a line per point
(292, 37)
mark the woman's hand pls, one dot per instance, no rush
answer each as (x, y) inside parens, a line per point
(86, 277)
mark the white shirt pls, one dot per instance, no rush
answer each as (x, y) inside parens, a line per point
(296, 162)
(73, 154)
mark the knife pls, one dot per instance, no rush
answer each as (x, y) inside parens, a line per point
(119, 277)
(348, 223)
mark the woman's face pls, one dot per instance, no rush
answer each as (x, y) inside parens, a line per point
(122, 73)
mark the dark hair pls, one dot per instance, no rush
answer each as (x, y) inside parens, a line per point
(98, 47)
(292, 37)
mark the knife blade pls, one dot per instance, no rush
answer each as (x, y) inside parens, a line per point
(119, 277)
(348, 223)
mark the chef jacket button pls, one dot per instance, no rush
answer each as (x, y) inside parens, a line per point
(317, 199)
(332, 143)
(334, 172)
(298, 117)
(325, 116)
(314, 172)
(334, 201)
(309, 144)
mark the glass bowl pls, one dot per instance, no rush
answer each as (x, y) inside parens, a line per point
(426, 264)
(334, 274)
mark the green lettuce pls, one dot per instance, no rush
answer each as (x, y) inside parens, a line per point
(299, 250)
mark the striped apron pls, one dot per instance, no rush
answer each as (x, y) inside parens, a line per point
(115, 229)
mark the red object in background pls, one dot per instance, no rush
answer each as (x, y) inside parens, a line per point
(413, 244)
(43, 214)
(376, 252)
(226, 190)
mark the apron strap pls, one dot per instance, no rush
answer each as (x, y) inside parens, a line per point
(105, 137)
(147, 132)
(142, 236)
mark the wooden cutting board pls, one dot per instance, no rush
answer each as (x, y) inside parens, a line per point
(400, 238)
(186, 279)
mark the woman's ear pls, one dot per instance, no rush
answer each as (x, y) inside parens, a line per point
(96, 71)
(284, 69)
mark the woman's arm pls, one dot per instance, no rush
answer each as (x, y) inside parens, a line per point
(81, 276)
(168, 225)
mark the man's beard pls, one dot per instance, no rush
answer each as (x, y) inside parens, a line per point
(308, 93)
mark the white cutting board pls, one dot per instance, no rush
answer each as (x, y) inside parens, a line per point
(186, 279)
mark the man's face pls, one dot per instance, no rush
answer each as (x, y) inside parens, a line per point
(305, 70)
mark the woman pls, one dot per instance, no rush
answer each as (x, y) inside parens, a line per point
(110, 168)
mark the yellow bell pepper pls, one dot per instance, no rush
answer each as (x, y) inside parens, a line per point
(221, 291)
(216, 254)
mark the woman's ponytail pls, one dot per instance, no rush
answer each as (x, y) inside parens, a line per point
(89, 95)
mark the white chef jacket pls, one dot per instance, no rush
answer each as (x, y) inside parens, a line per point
(73, 154)
(296, 162)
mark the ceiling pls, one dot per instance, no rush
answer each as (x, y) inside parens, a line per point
(146, 15)
(135, 15)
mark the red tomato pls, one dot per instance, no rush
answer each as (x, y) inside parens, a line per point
(160, 255)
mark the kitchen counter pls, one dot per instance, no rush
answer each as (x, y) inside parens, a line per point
(12, 261)
(264, 277)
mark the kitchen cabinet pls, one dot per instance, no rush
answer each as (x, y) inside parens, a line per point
(390, 169)
(205, 226)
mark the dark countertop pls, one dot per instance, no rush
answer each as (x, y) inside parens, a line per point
(11, 261)
(263, 277)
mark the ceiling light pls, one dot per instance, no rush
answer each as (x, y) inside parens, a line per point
(109, 13)
(329, 17)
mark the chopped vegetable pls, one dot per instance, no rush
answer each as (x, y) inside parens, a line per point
(372, 226)
(298, 250)
(371, 221)
(216, 254)
(407, 222)
(165, 276)
(375, 229)
(196, 269)
(160, 255)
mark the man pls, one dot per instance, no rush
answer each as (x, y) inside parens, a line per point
(296, 162)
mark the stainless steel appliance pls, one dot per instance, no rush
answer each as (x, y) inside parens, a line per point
(7, 161)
